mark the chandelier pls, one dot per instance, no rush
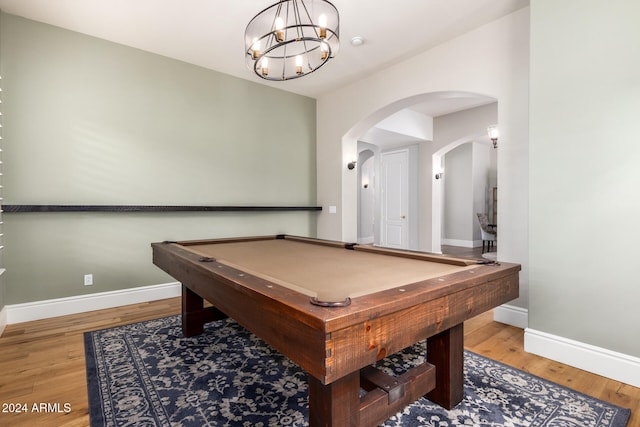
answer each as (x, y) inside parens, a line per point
(292, 38)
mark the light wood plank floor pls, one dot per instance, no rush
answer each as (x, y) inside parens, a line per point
(43, 362)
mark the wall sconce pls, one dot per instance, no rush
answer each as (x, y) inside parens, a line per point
(493, 135)
(351, 165)
(440, 175)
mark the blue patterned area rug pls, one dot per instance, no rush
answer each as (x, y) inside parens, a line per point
(149, 374)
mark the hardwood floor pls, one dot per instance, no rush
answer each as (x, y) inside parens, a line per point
(42, 362)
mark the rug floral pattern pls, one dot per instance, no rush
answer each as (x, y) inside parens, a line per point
(149, 374)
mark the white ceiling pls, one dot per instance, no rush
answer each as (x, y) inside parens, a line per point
(210, 33)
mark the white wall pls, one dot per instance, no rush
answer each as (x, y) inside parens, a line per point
(481, 188)
(585, 184)
(368, 166)
(458, 196)
(493, 61)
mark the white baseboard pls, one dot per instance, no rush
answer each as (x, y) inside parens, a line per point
(512, 315)
(460, 243)
(3, 319)
(617, 366)
(18, 313)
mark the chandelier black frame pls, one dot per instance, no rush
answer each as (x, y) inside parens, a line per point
(292, 38)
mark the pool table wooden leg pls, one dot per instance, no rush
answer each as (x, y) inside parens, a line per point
(336, 404)
(194, 314)
(445, 351)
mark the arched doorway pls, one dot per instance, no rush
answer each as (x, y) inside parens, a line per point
(465, 172)
(429, 203)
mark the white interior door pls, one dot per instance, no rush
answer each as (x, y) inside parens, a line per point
(395, 199)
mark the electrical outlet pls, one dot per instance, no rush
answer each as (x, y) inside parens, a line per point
(88, 279)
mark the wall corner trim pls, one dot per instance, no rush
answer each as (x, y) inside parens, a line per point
(26, 312)
(512, 315)
(601, 361)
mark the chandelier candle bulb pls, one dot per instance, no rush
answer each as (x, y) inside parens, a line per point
(322, 21)
(265, 66)
(299, 64)
(256, 48)
(279, 27)
(324, 51)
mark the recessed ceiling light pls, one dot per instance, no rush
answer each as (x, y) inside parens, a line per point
(357, 41)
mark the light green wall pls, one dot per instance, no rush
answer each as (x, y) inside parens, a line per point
(585, 171)
(2, 281)
(92, 122)
(48, 253)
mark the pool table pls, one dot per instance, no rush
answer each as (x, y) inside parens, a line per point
(335, 309)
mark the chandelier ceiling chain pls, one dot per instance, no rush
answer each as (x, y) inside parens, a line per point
(292, 38)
